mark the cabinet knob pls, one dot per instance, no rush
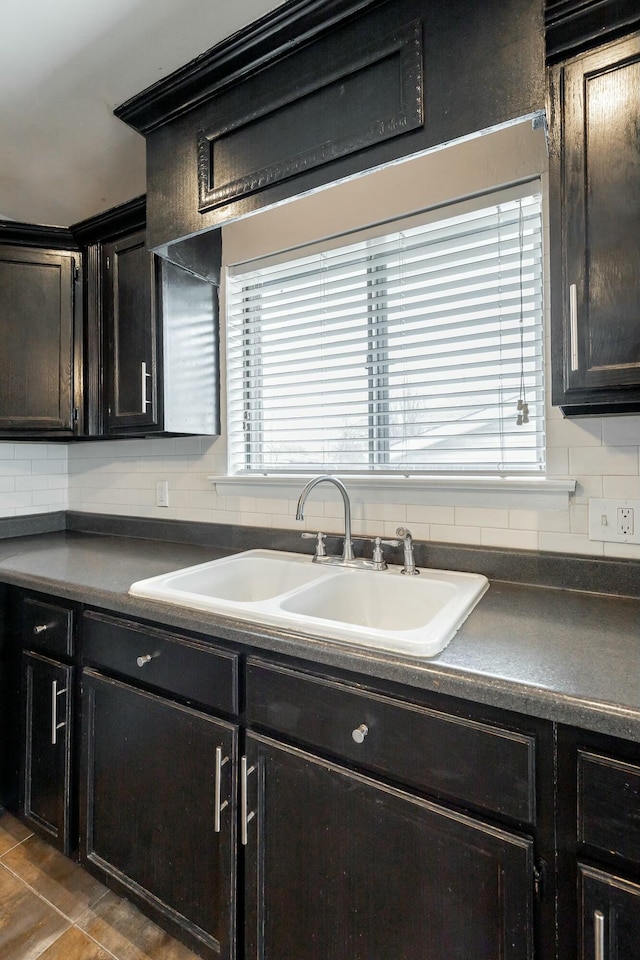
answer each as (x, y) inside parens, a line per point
(144, 659)
(39, 628)
(360, 733)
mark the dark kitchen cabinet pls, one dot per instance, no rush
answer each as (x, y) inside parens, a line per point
(40, 378)
(152, 332)
(132, 341)
(595, 230)
(340, 865)
(44, 631)
(158, 791)
(321, 90)
(47, 747)
(357, 824)
(599, 846)
(609, 916)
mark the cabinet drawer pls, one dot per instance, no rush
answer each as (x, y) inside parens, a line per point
(187, 668)
(609, 805)
(47, 627)
(451, 757)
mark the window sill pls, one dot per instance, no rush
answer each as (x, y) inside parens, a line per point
(521, 493)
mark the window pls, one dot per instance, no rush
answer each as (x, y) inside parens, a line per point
(413, 348)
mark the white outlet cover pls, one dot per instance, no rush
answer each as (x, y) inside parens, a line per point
(603, 520)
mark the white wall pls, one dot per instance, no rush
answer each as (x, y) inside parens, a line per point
(601, 454)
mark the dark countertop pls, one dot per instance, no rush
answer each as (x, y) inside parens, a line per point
(559, 654)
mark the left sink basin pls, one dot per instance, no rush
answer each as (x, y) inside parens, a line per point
(249, 577)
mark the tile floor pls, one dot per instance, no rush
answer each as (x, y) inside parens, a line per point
(51, 909)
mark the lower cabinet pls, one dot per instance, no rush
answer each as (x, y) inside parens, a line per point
(609, 916)
(47, 747)
(44, 631)
(158, 807)
(339, 865)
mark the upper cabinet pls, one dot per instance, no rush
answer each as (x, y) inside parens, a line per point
(132, 339)
(152, 333)
(595, 230)
(317, 91)
(40, 314)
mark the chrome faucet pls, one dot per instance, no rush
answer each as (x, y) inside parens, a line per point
(347, 550)
(409, 560)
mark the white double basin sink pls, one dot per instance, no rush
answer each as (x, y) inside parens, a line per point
(382, 609)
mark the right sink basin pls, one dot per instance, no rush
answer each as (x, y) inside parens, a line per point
(414, 615)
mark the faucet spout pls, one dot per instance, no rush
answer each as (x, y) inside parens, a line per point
(347, 550)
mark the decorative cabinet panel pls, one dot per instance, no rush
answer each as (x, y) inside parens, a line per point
(595, 203)
(39, 376)
(320, 90)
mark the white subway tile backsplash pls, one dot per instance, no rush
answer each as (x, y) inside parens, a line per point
(33, 478)
(621, 431)
(481, 517)
(119, 477)
(513, 539)
(603, 461)
(622, 488)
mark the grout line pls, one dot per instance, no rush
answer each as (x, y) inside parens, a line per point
(50, 943)
(60, 912)
(114, 956)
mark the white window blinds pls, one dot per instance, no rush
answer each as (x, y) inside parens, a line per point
(415, 351)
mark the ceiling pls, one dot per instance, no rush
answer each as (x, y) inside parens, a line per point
(64, 67)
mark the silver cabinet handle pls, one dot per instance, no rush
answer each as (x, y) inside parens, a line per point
(40, 628)
(245, 816)
(598, 935)
(55, 726)
(219, 806)
(145, 658)
(144, 377)
(573, 325)
(360, 733)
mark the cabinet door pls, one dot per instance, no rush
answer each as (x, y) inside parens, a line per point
(45, 773)
(610, 916)
(37, 355)
(132, 341)
(339, 865)
(158, 808)
(596, 165)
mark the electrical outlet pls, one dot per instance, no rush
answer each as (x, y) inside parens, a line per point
(626, 521)
(162, 493)
(614, 521)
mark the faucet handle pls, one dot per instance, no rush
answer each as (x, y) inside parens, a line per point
(404, 533)
(319, 538)
(379, 562)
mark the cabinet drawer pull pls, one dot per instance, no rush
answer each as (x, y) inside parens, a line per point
(360, 733)
(573, 325)
(40, 628)
(598, 935)
(144, 377)
(245, 816)
(218, 804)
(145, 658)
(55, 726)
